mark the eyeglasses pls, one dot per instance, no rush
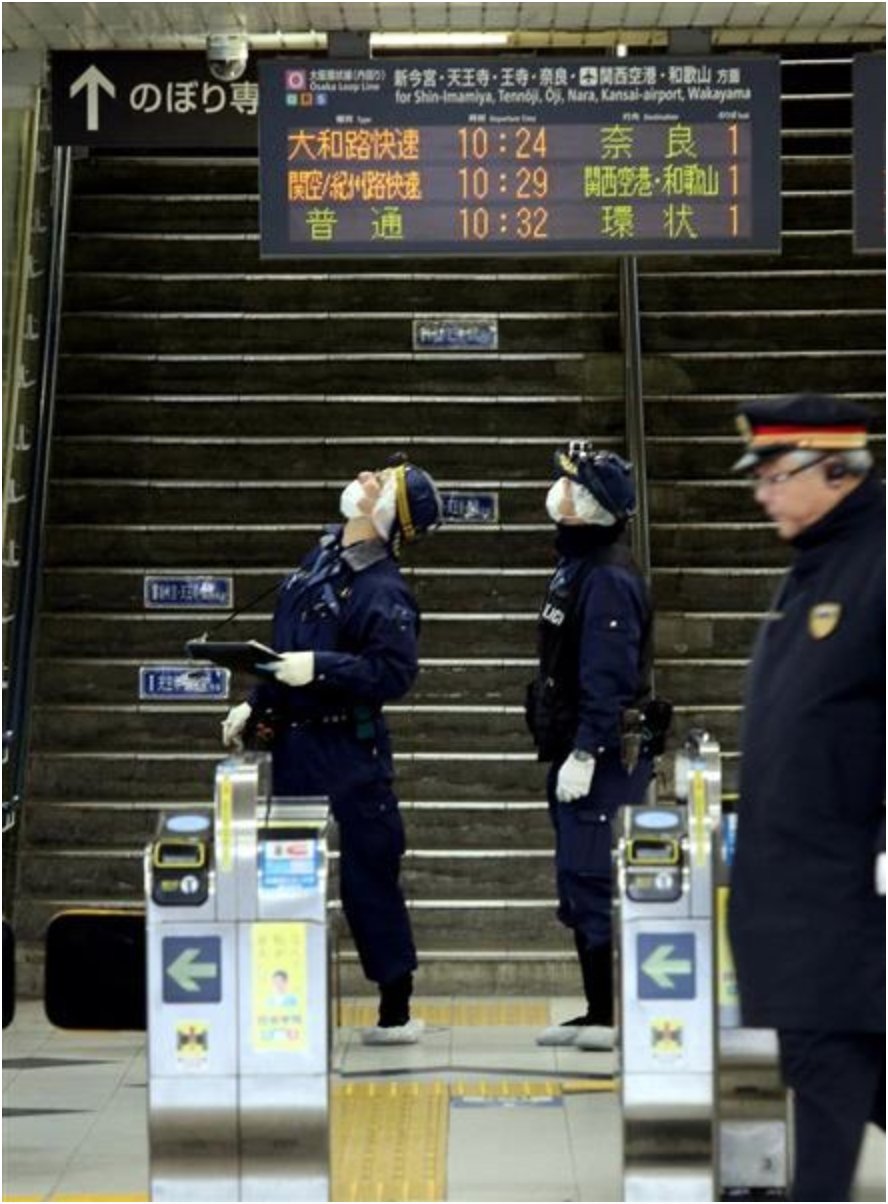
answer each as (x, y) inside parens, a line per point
(767, 480)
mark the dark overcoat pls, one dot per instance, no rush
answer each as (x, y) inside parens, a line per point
(807, 928)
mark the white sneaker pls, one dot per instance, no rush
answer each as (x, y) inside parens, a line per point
(596, 1036)
(397, 1034)
(559, 1034)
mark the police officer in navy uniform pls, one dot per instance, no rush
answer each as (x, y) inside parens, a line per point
(347, 626)
(807, 925)
(594, 648)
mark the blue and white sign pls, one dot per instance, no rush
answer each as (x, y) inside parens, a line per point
(193, 592)
(192, 969)
(288, 865)
(667, 965)
(455, 334)
(171, 682)
(461, 506)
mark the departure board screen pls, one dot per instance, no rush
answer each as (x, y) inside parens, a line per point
(869, 152)
(496, 156)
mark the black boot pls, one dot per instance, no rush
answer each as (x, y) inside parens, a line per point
(597, 966)
(395, 1026)
(394, 1001)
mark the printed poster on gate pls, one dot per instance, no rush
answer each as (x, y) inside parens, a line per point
(279, 960)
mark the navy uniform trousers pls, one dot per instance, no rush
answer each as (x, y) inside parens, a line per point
(583, 844)
(838, 1081)
(327, 759)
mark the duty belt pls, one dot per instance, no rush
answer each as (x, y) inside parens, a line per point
(323, 720)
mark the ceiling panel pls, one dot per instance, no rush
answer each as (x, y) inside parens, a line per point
(40, 25)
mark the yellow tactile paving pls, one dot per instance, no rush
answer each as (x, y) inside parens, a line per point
(454, 1015)
(389, 1141)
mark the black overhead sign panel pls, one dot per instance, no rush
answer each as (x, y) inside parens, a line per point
(442, 156)
(140, 99)
(868, 79)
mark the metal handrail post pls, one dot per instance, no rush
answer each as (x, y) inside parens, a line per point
(22, 653)
(630, 325)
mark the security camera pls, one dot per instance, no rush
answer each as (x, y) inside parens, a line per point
(227, 56)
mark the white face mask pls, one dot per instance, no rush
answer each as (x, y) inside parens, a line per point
(572, 505)
(352, 500)
(353, 504)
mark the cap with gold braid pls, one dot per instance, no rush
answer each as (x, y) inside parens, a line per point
(418, 505)
(802, 422)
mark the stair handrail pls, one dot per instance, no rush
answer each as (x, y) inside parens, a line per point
(16, 727)
(630, 330)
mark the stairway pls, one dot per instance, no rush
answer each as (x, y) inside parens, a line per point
(212, 405)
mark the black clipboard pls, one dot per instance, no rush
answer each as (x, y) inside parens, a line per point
(240, 655)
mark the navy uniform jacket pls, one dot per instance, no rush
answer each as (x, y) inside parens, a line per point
(352, 608)
(807, 928)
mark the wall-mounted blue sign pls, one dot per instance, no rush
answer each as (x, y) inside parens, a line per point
(463, 506)
(171, 682)
(455, 334)
(194, 591)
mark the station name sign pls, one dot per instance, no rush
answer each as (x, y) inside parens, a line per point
(442, 156)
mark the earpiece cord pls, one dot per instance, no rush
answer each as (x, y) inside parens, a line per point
(240, 610)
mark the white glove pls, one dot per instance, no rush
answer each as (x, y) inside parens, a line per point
(880, 873)
(293, 668)
(575, 777)
(233, 726)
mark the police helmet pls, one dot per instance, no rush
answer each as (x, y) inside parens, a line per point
(607, 476)
(418, 505)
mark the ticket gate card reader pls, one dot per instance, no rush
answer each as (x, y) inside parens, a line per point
(238, 1028)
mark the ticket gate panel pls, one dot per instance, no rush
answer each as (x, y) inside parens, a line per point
(192, 994)
(281, 1160)
(193, 1140)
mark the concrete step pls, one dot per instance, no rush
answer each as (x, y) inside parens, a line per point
(159, 635)
(183, 545)
(506, 290)
(475, 590)
(251, 500)
(327, 333)
(414, 728)
(460, 682)
(188, 776)
(360, 418)
(421, 374)
(183, 253)
(518, 292)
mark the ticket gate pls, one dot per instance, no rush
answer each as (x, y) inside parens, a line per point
(704, 1115)
(238, 1029)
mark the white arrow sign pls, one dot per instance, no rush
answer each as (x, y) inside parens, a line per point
(92, 79)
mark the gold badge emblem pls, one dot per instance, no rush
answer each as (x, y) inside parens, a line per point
(823, 619)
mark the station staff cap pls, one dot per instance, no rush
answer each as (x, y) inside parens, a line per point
(804, 421)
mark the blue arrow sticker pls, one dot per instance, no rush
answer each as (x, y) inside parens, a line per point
(666, 965)
(192, 969)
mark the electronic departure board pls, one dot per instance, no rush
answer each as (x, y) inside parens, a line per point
(495, 156)
(869, 152)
